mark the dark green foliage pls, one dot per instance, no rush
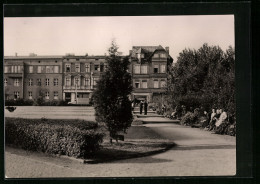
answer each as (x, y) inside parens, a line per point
(203, 77)
(189, 118)
(75, 138)
(19, 102)
(112, 105)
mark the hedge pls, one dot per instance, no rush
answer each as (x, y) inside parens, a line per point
(75, 138)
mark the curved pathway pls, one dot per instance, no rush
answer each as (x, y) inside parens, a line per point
(198, 153)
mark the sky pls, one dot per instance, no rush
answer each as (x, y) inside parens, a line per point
(93, 35)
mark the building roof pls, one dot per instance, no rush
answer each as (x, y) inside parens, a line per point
(33, 57)
(52, 57)
(148, 51)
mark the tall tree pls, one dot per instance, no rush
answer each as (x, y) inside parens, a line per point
(203, 77)
(111, 97)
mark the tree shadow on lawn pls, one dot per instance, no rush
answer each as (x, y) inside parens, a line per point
(117, 152)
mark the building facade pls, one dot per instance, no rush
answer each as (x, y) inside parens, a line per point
(149, 67)
(73, 78)
(33, 76)
(80, 76)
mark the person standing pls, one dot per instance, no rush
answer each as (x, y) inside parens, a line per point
(145, 107)
(141, 107)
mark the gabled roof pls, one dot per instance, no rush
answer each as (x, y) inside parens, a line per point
(147, 50)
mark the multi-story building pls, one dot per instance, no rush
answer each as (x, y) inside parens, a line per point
(80, 76)
(29, 77)
(73, 78)
(149, 66)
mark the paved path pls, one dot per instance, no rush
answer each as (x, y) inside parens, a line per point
(199, 153)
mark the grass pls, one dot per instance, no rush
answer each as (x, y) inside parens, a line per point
(140, 141)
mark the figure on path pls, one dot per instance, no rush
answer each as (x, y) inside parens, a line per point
(141, 107)
(145, 107)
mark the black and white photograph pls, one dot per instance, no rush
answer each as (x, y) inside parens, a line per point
(119, 96)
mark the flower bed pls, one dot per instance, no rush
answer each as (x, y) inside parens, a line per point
(75, 138)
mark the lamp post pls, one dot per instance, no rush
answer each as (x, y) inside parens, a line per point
(76, 94)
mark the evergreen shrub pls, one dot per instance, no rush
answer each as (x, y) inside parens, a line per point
(75, 138)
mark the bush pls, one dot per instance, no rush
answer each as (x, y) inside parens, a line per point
(19, 102)
(189, 118)
(65, 137)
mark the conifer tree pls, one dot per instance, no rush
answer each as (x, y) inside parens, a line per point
(111, 97)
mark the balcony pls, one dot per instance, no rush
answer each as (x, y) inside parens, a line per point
(78, 87)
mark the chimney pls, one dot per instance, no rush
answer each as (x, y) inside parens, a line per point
(167, 49)
(16, 54)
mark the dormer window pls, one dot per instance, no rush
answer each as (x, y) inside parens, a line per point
(163, 55)
(156, 55)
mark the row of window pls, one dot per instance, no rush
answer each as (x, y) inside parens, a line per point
(77, 81)
(45, 69)
(99, 68)
(143, 69)
(47, 95)
(143, 84)
(13, 69)
(16, 82)
(30, 82)
(161, 55)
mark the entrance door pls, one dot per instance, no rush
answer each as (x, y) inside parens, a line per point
(67, 97)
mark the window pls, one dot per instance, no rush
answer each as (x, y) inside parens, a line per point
(144, 69)
(155, 69)
(162, 69)
(12, 69)
(55, 82)
(86, 81)
(68, 82)
(47, 95)
(105, 67)
(163, 84)
(39, 82)
(87, 68)
(163, 55)
(96, 67)
(137, 84)
(19, 69)
(56, 95)
(95, 81)
(67, 68)
(101, 68)
(16, 82)
(5, 82)
(30, 94)
(49, 69)
(47, 82)
(6, 69)
(77, 68)
(144, 84)
(16, 95)
(15, 69)
(56, 69)
(136, 68)
(155, 84)
(30, 69)
(39, 69)
(30, 82)
(156, 55)
(77, 81)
